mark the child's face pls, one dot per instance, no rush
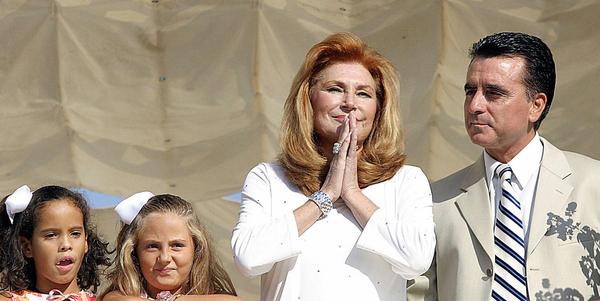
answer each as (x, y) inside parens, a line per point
(57, 246)
(165, 251)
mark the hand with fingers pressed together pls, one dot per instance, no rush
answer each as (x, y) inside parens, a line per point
(334, 182)
(341, 182)
(342, 98)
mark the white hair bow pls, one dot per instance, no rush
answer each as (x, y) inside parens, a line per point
(18, 201)
(129, 208)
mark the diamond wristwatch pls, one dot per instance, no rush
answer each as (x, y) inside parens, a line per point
(323, 201)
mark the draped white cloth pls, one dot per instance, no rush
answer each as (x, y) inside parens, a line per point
(185, 96)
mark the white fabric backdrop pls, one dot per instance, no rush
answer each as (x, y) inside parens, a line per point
(184, 96)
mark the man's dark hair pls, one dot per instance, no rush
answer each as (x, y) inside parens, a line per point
(539, 75)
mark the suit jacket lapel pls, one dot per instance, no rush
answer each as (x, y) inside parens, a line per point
(552, 192)
(474, 205)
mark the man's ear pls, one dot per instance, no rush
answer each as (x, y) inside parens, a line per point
(538, 104)
(26, 247)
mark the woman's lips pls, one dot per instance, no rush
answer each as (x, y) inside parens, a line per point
(340, 118)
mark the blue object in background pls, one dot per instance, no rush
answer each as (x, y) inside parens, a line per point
(98, 200)
(234, 197)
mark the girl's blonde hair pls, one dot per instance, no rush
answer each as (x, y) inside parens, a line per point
(383, 150)
(207, 276)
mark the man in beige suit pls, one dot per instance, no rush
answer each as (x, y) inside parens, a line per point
(508, 92)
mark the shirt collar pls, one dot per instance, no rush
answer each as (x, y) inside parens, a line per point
(521, 163)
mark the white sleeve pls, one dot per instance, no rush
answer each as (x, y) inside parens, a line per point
(262, 237)
(403, 232)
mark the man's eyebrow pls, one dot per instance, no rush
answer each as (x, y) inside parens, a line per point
(497, 88)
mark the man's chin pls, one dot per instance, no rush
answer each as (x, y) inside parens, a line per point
(480, 139)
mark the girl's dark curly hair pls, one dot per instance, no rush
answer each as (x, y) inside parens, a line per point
(18, 272)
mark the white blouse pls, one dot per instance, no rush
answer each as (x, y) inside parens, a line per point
(335, 259)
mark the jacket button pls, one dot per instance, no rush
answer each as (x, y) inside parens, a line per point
(489, 273)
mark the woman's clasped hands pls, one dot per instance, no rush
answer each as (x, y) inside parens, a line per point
(342, 180)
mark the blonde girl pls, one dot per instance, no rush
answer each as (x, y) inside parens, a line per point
(164, 253)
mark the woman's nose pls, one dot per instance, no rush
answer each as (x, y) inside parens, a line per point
(348, 103)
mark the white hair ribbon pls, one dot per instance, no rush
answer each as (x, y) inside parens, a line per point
(18, 201)
(129, 208)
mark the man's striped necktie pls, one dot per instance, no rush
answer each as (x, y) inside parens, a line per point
(510, 282)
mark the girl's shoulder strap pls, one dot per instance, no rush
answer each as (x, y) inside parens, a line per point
(56, 295)
(23, 295)
(27, 295)
(86, 296)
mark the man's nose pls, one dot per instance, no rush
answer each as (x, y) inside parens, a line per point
(476, 103)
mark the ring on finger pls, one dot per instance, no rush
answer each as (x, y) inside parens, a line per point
(336, 148)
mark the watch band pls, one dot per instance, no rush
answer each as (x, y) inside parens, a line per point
(323, 201)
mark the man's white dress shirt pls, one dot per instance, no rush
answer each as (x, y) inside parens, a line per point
(526, 168)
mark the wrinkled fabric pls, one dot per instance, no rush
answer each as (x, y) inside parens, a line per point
(186, 96)
(335, 259)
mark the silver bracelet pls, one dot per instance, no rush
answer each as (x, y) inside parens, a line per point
(323, 201)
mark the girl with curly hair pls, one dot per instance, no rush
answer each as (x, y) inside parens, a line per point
(50, 249)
